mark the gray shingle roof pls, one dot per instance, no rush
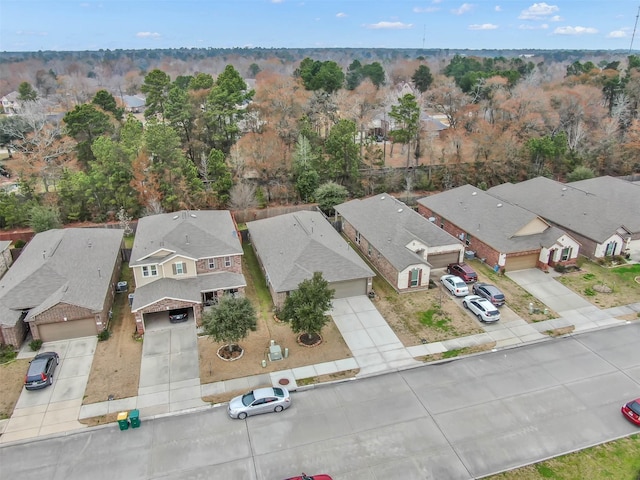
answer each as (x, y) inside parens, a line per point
(193, 234)
(491, 220)
(187, 289)
(294, 246)
(389, 225)
(66, 265)
(594, 215)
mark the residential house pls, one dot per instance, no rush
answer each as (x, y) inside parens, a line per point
(603, 213)
(10, 103)
(505, 236)
(186, 259)
(61, 286)
(402, 245)
(134, 103)
(291, 247)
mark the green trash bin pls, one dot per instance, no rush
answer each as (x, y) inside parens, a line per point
(134, 418)
(123, 421)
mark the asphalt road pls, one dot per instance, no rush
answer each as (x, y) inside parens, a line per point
(464, 419)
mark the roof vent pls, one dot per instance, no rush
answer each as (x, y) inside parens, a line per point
(474, 193)
(382, 197)
(499, 205)
(175, 217)
(432, 219)
(564, 189)
(399, 210)
(193, 215)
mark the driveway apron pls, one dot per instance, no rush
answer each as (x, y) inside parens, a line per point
(169, 370)
(55, 408)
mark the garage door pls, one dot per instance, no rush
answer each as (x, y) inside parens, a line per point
(521, 262)
(50, 332)
(351, 288)
(441, 260)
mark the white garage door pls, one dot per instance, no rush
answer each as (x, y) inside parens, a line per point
(441, 260)
(521, 262)
(50, 332)
(350, 288)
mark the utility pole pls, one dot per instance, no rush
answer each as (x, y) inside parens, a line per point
(634, 31)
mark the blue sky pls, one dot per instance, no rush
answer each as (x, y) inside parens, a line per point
(27, 25)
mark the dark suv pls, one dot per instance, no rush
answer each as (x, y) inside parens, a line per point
(490, 292)
(464, 271)
(41, 368)
(179, 315)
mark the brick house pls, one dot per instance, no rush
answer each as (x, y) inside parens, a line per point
(602, 213)
(5, 256)
(506, 236)
(186, 259)
(291, 247)
(402, 245)
(62, 285)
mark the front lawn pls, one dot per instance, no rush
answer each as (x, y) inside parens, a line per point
(605, 287)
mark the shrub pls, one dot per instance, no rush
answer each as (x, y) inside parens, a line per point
(589, 292)
(35, 345)
(7, 353)
(104, 335)
(19, 244)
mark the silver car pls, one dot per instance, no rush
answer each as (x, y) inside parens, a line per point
(455, 285)
(260, 400)
(481, 308)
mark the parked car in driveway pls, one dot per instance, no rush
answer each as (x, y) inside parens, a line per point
(481, 308)
(41, 369)
(179, 315)
(260, 400)
(464, 271)
(455, 285)
(631, 411)
(490, 292)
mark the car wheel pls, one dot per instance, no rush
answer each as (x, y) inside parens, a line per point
(464, 304)
(278, 408)
(242, 415)
(479, 317)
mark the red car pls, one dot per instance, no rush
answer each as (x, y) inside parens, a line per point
(304, 476)
(631, 411)
(464, 271)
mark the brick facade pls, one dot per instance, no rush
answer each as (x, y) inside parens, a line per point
(202, 265)
(13, 335)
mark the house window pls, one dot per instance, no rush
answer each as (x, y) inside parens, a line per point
(611, 249)
(358, 238)
(566, 254)
(467, 239)
(150, 271)
(179, 268)
(442, 223)
(227, 261)
(415, 277)
(212, 263)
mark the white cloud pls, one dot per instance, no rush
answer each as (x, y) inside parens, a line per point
(497, 8)
(31, 33)
(574, 30)
(484, 26)
(464, 8)
(425, 9)
(538, 11)
(148, 35)
(556, 18)
(542, 26)
(389, 26)
(617, 34)
(341, 15)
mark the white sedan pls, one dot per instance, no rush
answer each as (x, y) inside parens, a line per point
(455, 285)
(481, 308)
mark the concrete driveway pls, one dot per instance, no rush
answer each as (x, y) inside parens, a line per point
(549, 291)
(56, 408)
(169, 371)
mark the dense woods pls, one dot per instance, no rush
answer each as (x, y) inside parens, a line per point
(242, 128)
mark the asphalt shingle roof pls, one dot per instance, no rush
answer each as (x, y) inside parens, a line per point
(593, 209)
(71, 265)
(294, 246)
(193, 234)
(389, 225)
(491, 220)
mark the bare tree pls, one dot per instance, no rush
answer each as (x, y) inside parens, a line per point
(243, 196)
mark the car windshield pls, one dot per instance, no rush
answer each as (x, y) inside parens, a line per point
(278, 392)
(635, 407)
(459, 284)
(247, 399)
